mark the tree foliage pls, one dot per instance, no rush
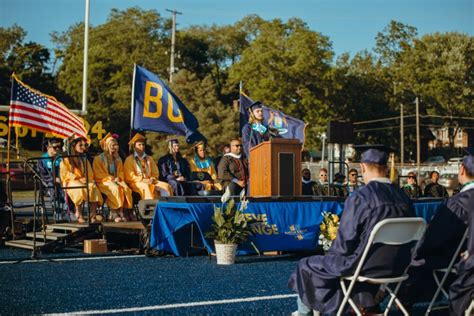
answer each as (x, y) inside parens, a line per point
(284, 64)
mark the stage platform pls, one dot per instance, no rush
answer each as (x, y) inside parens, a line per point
(277, 223)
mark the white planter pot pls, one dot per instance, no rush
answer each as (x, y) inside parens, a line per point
(225, 253)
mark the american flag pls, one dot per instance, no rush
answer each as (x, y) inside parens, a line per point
(31, 108)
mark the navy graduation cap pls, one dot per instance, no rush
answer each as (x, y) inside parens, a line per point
(376, 153)
(255, 105)
(468, 163)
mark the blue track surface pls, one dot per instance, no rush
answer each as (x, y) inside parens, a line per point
(132, 282)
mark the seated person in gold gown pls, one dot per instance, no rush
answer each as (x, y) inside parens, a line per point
(108, 174)
(141, 172)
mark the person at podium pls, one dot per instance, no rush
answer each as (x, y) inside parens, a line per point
(233, 169)
(255, 131)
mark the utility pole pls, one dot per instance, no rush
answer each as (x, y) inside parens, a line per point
(85, 61)
(173, 41)
(417, 135)
(402, 138)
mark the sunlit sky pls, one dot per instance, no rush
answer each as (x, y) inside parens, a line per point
(351, 25)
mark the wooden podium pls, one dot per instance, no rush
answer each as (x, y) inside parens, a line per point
(275, 168)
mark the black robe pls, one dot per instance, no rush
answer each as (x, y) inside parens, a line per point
(232, 168)
(461, 291)
(316, 279)
(308, 188)
(171, 169)
(436, 190)
(436, 248)
(413, 192)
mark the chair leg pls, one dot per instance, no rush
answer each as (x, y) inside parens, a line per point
(440, 285)
(347, 299)
(393, 297)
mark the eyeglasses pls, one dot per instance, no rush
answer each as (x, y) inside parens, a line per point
(353, 174)
(411, 177)
(237, 145)
(56, 147)
(323, 175)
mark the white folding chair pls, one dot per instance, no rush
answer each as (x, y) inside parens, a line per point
(449, 269)
(470, 310)
(393, 231)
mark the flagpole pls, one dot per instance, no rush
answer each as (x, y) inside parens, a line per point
(86, 58)
(132, 105)
(8, 183)
(241, 87)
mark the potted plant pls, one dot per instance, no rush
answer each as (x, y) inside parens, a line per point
(229, 227)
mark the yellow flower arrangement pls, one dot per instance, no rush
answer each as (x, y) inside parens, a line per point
(328, 230)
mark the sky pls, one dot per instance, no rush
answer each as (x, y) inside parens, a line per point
(351, 25)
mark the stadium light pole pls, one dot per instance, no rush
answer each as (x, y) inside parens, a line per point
(173, 41)
(86, 56)
(417, 103)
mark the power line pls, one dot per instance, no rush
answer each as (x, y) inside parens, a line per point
(410, 125)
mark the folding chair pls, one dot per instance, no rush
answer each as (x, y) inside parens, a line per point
(470, 309)
(393, 231)
(449, 269)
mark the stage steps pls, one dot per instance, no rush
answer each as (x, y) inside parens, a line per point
(57, 236)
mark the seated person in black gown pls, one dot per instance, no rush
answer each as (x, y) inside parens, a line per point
(307, 183)
(175, 170)
(434, 189)
(233, 169)
(411, 188)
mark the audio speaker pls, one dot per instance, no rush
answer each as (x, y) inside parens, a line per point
(340, 132)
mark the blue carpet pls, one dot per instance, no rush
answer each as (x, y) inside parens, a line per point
(126, 282)
(49, 287)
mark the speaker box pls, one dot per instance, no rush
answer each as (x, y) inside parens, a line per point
(340, 132)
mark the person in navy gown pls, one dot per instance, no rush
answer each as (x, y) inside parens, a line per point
(175, 170)
(316, 278)
(461, 292)
(438, 244)
(255, 131)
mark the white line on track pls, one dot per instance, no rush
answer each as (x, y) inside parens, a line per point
(71, 259)
(179, 305)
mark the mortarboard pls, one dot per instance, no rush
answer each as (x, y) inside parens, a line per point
(255, 105)
(104, 141)
(376, 154)
(199, 144)
(172, 140)
(468, 163)
(137, 137)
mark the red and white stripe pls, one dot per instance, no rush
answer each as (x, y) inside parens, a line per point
(55, 118)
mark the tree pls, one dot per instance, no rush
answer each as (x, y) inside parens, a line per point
(128, 37)
(393, 40)
(29, 61)
(439, 69)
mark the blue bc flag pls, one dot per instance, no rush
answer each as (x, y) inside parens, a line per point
(157, 108)
(287, 126)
